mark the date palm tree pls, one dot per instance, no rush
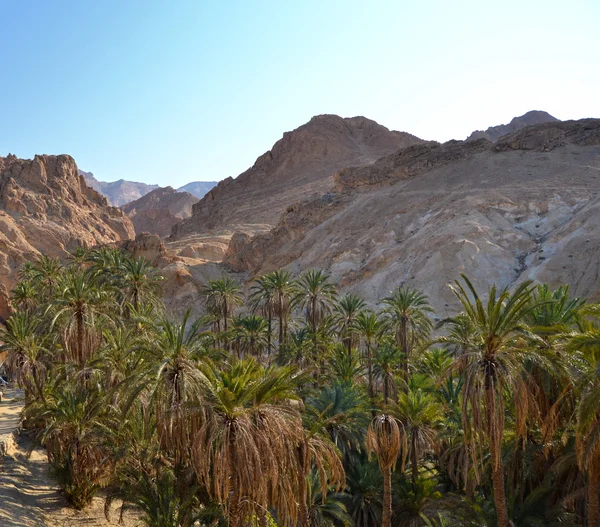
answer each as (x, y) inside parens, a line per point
(221, 297)
(368, 326)
(407, 313)
(421, 416)
(588, 419)
(78, 307)
(315, 296)
(386, 360)
(45, 273)
(346, 312)
(177, 360)
(252, 334)
(386, 438)
(27, 358)
(244, 449)
(139, 282)
(494, 363)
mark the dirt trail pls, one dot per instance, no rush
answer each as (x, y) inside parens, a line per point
(29, 497)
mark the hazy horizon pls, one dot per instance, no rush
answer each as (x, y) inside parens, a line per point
(197, 91)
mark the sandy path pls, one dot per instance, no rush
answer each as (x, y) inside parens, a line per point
(29, 497)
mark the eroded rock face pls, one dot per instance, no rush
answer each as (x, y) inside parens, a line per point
(526, 207)
(299, 165)
(159, 210)
(47, 208)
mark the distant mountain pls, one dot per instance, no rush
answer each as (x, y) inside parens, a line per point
(159, 210)
(493, 133)
(118, 192)
(198, 188)
(299, 165)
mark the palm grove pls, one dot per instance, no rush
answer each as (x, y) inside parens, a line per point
(295, 406)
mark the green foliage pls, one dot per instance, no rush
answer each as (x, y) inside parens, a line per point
(260, 411)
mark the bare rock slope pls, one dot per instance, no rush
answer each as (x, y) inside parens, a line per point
(493, 133)
(159, 210)
(300, 164)
(527, 206)
(47, 208)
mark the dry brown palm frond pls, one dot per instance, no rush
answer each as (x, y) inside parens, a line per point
(387, 439)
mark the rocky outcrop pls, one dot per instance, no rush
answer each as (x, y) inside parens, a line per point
(493, 133)
(47, 208)
(118, 192)
(299, 166)
(159, 210)
(526, 207)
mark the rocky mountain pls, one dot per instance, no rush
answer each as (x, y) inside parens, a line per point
(159, 210)
(118, 192)
(493, 133)
(527, 206)
(198, 188)
(47, 208)
(299, 165)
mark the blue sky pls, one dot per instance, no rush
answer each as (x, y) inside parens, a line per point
(169, 92)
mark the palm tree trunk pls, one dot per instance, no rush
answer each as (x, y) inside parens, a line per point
(370, 370)
(405, 346)
(593, 498)
(235, 508)
(495, 438)
(270, 321)
(80, 337)
(302, 474)
(386, 389)
(414, 462)
(387, 498)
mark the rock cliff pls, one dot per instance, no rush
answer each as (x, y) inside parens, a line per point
(47, 208)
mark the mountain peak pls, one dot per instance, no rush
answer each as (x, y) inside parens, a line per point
(493, 133)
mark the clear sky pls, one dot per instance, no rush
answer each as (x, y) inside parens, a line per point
(174, 91)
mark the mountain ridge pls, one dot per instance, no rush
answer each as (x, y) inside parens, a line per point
(301, 163)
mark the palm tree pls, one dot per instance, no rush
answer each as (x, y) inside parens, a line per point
(421, 416)
(588, 419)
(180, 381)
(262, 299)
(363, 491)
(26, 359)
(347, 310)
(76, 421)
(24, 296)
(140, 282)
(408, 313)
(368, 326)
(386, 438)
(244, 448)
(77, 306)
(46, 273)
(386, 359)
(221, 297)
(494, 363)
(252, 334)
(325, 510)
(339, 412)
(315, 295)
